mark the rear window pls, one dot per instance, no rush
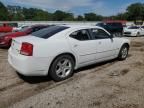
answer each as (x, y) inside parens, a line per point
(115, 24)
(49, 31)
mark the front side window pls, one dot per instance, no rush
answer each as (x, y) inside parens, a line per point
(99, 34)
(81, 35)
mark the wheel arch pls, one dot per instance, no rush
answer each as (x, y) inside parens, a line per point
(126, 44)
(66, 53)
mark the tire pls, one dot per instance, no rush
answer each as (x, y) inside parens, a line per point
(138, 34)
(62, 68)
(123, 52)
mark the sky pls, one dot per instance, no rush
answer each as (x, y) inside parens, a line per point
(78, 7)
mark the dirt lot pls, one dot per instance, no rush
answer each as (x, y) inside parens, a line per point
(115, 84)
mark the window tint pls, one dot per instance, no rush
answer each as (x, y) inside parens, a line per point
(115, 24)
(99, 34)
(101, 25)
(142, 27)
(133, 27)
(49, 31)
(80, 35)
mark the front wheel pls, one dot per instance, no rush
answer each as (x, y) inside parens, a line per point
(123, 52)
(138, 34)
(62, 68)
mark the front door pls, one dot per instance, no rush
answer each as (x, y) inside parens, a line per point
(107, 47)
(83, 46)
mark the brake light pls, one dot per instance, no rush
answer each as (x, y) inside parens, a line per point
(26, 49)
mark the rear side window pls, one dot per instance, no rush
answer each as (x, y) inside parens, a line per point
(49, 31)
(99, 34)
(81, 35)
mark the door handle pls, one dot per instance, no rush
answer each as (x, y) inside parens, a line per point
(99, 42)
(75, 45)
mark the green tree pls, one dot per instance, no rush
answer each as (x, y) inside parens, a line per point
(79, 18)
(29, 14)
(15, 13)
(41, 15)
(92, 17)
(3, 12)
(61, 16)
(135, 11)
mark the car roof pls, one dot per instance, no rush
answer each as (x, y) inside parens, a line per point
(38, 25)
(81, 26)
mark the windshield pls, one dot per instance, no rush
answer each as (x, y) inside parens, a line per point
(115, 24)
(49, 31)
(133, 27)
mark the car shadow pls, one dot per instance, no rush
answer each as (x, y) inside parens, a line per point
(42, 79)
(34, 79)
(95, 65)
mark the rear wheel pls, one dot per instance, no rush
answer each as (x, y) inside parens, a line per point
(62, 68)
(123, 52)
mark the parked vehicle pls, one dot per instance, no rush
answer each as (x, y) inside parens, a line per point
(134, 31)
(58, 50)
(5, 39)
(114, 28)
(15, 29)
(4, 28)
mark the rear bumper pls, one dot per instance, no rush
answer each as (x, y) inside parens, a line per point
(29, 66)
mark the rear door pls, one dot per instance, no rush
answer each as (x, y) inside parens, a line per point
(107, 47)
(83, 46)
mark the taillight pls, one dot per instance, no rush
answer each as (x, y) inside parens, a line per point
(26, 49)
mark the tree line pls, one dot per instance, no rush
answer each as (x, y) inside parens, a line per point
(16, 13)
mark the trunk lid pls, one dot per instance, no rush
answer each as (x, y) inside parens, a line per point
(17, 42)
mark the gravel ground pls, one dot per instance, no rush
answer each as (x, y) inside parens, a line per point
(113, 84)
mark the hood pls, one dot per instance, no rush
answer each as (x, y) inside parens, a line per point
(130, 30)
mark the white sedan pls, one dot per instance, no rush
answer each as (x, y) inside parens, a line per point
(58, 50)
(15, 29)
(134, 31)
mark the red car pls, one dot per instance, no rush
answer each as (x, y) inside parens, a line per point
(5, 39)
(4, 28)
